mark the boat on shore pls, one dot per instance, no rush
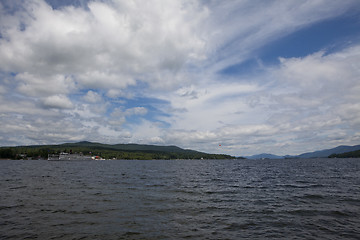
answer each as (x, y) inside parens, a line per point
(69, 157)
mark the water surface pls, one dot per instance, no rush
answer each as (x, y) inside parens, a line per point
(180, 199)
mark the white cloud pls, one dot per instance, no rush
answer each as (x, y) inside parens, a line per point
(92, 97)
(119, 112)
(58, 101)
(211, 106)
(109, 44)
(116, 93)
(38, 85)
(146, 132)
(157, 140)
(237, 29)
(121, 53)
(136, 111)
(310, 101)
(3, 90)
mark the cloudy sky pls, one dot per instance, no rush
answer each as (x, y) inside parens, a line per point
(253, 76)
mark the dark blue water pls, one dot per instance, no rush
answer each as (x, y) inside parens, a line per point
(180, 199)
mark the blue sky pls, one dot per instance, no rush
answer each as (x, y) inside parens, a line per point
(254, 76)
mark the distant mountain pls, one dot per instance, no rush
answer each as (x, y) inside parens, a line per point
(328, 152)
(108, 151)
(129, 147)
(317, 154)
(264, 156)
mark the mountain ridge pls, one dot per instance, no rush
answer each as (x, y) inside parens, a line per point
(315, 154)
(132, 147)
(148, 151)
(108, 151)
(328, 152)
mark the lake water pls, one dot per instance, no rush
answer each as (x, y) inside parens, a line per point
(180, 199)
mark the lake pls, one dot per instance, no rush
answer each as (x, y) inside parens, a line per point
(180, 199)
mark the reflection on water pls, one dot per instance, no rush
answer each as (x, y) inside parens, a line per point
(174, 199)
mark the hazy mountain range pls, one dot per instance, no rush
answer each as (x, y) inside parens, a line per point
(138, 151)
(317, 154)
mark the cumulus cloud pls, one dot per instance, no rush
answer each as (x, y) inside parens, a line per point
(102, 71)
(92, 97)
(319, 89)
(107, 46)
(321, 81)
(36, 85)
(58, 101)
(47, 55)
(309, 100)
(117, 93)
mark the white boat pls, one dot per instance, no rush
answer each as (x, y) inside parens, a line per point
(53, 157)
(69, 157)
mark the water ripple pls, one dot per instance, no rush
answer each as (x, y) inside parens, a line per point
(228, 199)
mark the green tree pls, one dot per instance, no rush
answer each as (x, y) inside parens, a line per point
(7, 153)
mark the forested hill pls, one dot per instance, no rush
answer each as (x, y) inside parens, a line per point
(108, 151)
(126, 147)
(353, 154)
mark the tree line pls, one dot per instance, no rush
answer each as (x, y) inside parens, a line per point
(42, 152)
(353, 154)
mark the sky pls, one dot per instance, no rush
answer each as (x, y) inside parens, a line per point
(235, 77)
